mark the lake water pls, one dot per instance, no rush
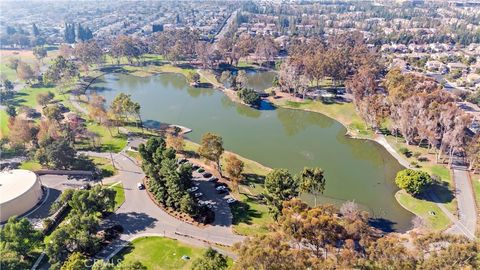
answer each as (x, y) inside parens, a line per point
(358, 170)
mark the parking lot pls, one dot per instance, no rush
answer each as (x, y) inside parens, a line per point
(214, 194)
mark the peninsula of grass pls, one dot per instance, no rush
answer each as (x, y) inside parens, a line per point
(343, 112)
(159, 253)
(428, 211)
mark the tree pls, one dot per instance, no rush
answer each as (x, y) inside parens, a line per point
(177, 141)
(53, 112)
(249, 96)
(8, 85)
(312, 180)
(76, 261)
(11, 111)
(193, 77)
(234, 168)
(210, 260)
(69, 33)
(61, 70)
(241, 79)
(40, 52)
(412, 181)
(44, 98)
(25, 72)
(57, 154)
(19, 236)
(35, 30)
(88, 53)
(21, 131)
(280, 186)
(211, 148)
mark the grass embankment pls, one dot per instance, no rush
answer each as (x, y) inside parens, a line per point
(105, 165)
(250, 214)
(424, 209)
(119, 195)
(160, 253)
(343, 112)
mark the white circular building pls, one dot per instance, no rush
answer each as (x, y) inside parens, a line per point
(20, 191)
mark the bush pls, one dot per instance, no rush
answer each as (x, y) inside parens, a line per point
(405, 151)
(249, 96)
(412, 181)
(414, 164)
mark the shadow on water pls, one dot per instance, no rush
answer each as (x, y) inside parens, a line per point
(152, 124)
(266, 106)
(382, 224)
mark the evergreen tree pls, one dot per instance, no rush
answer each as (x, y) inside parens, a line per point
(35, 30)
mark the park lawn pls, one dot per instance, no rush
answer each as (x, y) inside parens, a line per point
(31, 165)
(105, 165)
(160, 253)
(119, 195)
(4, 130)
(343, 112)
(421, 208)
(7, 72)
(115, 142)
(476, 188)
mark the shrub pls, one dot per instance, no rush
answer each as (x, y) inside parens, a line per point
(405, 151)
(249, 96)
(412, 181)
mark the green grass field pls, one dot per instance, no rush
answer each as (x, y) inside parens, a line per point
(159, 253)
(31, 165)
(422, 208)
(114, 142)
(120, 195)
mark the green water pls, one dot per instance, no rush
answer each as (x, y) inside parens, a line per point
(358, 170)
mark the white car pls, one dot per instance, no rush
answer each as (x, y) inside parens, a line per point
(198, 195)
(192, 189)
(221, 188)
(231, 200)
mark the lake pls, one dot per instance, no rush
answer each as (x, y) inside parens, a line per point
(356, 170)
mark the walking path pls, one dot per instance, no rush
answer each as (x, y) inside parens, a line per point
(466, 223)
(140, 215)
(467, 211)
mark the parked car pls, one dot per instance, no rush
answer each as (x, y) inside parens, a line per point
(198, 195)
(212, 179)
(207, 175)
(218, 184)
(192, 189)
(195, 167)
(140, 186)
(221, 188)
(231, 200)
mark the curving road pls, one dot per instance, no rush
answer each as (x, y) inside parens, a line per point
(139, 215)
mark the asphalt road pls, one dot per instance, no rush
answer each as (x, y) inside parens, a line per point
(467, 212)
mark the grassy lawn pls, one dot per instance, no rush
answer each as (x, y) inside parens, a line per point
(422, 208)
(476, 188)
(343, 112)
(107, 142)
(105, 165)
(159, 253)
(120, 195)
(4, 130)
(31, 165)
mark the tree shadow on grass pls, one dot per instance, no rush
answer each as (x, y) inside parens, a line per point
(441, 193)
(243, 213)
(252, 178)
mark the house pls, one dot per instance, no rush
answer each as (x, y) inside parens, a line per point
(457, 66)
(436, 66)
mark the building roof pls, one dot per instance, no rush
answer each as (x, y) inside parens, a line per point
(14, 183)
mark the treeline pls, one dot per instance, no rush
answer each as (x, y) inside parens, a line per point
(74, 33)
(311, 62)
(168, 180)
(323, 237)
(18, 36)
(419, 110)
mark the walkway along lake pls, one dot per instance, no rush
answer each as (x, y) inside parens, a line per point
(358, 170)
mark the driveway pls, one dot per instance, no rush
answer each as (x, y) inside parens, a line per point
(54, 186)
